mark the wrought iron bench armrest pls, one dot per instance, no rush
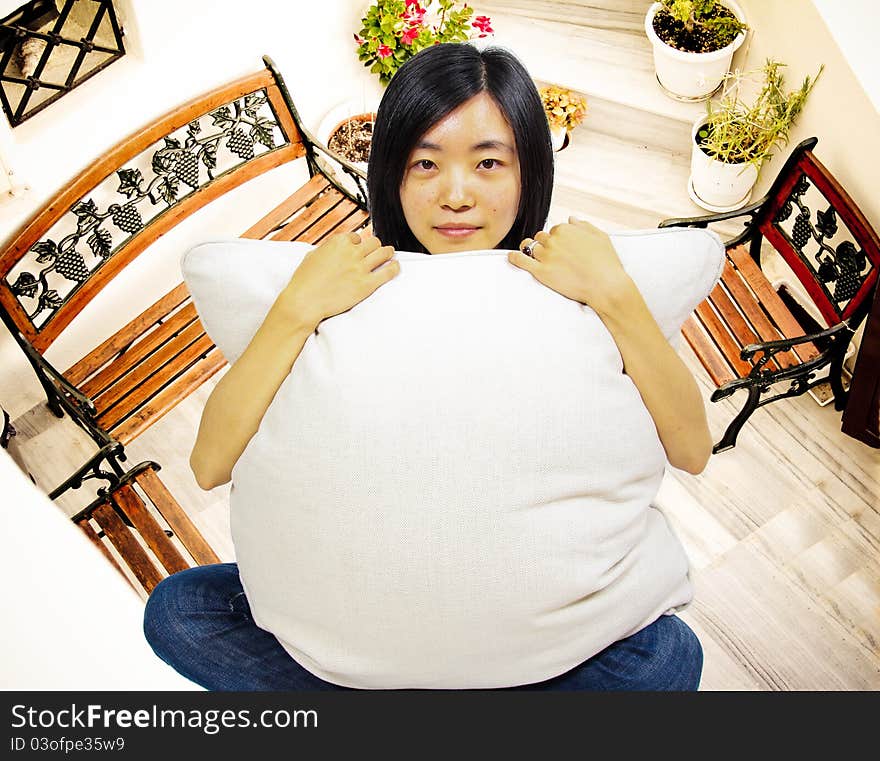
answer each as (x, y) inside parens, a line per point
(84, 405)
(772, 347)
(751, 211)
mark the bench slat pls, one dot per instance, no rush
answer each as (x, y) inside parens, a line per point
(108, 349)
(167, 398)
(287, 208)
(153, 363)
(328, 224)
(756, 316)
(734, 321)
(148, 344)
(706, 352)
(156, 382)
(127, 545)
(771, 301)
(176, 518)
(146, 525)
(722, 338)
(319, 207)
(87, 529)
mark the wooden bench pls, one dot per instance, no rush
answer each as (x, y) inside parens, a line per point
(97, 225)
(745, 334)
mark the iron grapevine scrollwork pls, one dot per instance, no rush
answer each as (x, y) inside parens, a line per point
(175, 164)
(841, 266)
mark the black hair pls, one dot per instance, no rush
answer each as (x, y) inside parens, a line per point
(425, 89)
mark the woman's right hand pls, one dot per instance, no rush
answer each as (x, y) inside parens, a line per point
(336, 275)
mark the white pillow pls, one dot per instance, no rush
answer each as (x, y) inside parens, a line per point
(452, 488)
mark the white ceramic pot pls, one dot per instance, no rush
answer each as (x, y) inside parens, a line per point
(715, 185)
(691, 76)
(557, 137)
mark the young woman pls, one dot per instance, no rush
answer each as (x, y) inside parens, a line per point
(460, 161)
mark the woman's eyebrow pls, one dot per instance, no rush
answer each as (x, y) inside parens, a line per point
(483, 145)
(492, 145)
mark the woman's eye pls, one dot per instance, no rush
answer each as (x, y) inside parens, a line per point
(425, 164)
(489, 163)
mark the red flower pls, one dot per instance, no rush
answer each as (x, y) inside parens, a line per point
(415, 3)
(384, 51)
(409, 35)
(483, 23)
(358, 40)
(415, 17)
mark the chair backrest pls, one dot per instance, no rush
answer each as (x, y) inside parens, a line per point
(834, 252)
(147, 184)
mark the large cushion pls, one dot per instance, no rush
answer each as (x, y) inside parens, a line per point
(453, 486)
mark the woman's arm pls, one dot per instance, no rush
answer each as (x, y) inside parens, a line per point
(331, 279)
(667, 387)
(578, 261)
(238, 402)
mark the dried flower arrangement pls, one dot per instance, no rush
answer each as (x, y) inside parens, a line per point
(565, 109)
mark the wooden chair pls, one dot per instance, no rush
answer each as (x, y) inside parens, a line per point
(745, 335)
(103, 219)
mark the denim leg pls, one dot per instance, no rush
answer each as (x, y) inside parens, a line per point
(199, 622)
(664, 656)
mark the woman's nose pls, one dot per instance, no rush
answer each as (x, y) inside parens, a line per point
(456, 192)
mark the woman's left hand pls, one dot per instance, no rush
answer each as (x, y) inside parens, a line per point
(577, 260)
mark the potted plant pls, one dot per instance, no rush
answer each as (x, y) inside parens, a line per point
(392, 32)
(565, 109)
(737, 136)
(693, 43)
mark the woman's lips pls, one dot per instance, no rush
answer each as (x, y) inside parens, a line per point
(456, 232)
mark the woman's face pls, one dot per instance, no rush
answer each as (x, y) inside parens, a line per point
(461, 186)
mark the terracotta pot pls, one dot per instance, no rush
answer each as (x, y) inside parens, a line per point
(691, 76)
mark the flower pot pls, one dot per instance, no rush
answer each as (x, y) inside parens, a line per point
(691, 76)
(335, 118)
(558, 138)
(715, 185)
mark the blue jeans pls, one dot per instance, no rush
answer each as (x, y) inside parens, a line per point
(199, 622)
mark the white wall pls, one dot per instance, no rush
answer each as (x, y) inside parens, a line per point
(855, 26)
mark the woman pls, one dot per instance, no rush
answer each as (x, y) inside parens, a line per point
(460, 161)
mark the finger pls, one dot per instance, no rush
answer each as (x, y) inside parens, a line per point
(521, 260)
(542, 237)
(369, 243)
(526, 242)
(582, 223)
(385, 273)
(378, 256)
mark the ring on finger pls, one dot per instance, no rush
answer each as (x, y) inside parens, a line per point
(529, 248)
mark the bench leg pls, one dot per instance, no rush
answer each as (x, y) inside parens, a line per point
(728, 441)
